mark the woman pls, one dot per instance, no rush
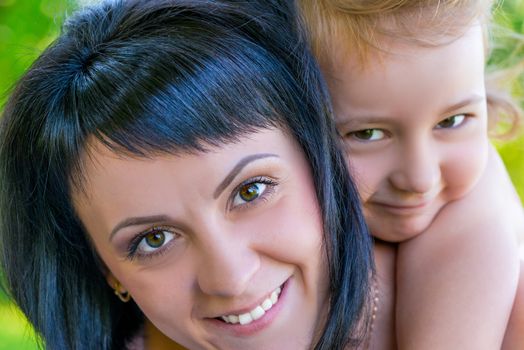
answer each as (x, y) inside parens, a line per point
(179, 155)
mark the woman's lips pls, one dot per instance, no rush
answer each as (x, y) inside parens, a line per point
(256, 313)
(250, 321)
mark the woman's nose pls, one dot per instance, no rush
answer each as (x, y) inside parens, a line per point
(417, 169)
(227, 264)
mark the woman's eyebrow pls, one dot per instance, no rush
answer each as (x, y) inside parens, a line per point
(141, 220)
(236, 169)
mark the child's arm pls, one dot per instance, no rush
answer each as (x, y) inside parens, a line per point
(514, 337)
(456, 282)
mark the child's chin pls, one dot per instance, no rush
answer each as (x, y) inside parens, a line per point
(401, 229)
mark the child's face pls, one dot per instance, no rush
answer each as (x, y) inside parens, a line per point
(198, 237)
(414, 125)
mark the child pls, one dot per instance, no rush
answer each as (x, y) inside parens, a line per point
(410, 102)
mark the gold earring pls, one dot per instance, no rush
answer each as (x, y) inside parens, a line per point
(124, 296)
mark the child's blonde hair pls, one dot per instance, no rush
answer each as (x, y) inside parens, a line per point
(364, 25)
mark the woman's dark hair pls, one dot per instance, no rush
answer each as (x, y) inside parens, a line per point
(151, 77)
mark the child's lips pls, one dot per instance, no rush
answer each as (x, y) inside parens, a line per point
(404, 208)
(414, 204)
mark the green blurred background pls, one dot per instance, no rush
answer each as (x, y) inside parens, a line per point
(28, 26)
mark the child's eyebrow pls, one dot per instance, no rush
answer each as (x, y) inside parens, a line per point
(352, 120)
(470, 100)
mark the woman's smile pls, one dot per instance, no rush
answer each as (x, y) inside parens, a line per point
(248, 321)
(247, 316)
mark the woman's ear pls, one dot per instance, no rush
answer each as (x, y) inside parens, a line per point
(120, 291)
(111, 280)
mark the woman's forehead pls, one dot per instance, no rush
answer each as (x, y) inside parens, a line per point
(100, 161)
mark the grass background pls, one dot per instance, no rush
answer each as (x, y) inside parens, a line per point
(28, 26)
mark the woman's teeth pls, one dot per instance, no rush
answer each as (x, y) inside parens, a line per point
(256, 313)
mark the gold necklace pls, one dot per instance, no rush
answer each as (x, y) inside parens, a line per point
(374, 311)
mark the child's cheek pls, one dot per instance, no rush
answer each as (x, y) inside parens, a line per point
(462, 168)
(368, 172)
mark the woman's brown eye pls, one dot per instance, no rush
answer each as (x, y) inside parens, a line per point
(250, 192)
(155, 239)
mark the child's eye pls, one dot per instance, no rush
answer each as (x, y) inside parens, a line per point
(368, 134)
(251, 190)
(151, 242)
(451, 122)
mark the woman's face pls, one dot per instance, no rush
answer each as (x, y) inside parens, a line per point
(220, 250)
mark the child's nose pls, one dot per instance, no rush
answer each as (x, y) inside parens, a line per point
(417, 170)
(227, 265)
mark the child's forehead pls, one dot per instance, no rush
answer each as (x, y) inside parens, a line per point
(390, 46)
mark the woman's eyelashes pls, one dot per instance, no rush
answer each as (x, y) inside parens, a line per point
(251, 192)
(151, 242)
